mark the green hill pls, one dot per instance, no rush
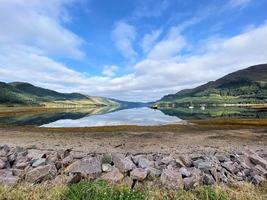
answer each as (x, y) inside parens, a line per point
(19, 93)
(247, 86)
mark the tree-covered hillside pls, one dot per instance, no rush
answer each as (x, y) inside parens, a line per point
(243, 86)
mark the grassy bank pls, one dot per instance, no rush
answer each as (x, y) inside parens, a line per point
(102, 191)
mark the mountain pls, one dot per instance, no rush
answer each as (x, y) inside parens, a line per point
(20, 93)
(245, 86)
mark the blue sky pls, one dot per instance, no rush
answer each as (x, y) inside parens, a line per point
(131, 50)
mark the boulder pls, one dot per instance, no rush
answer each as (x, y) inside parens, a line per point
(138, 174)
(144, 163)
(171, 179)
(2, 164)
(166, 160)
(124, 164)
(153, 172)
(7, 177)
(41, 173)
(186, 160)
(35, 154)
(39, 162)
(89, 167)
(230, 166)
(107, 167)
(67, 160)
(113, 176)
(257, 160)
(208, 179)
(261, 170)
(184, 172)
(204, 165)
(64, 179)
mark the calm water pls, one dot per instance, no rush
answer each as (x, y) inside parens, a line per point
(108, 116)
(134, 116)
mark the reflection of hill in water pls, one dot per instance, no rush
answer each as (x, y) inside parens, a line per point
(50, 115)
(219, 112)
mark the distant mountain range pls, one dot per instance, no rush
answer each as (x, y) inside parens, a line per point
(247, 86)
(20, 93)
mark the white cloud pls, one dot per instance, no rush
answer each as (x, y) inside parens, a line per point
(149, 40)
(39, 24)
(123, 35)
(239, 3)
(169, 46)
(110, 70)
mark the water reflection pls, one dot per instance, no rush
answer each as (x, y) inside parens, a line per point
(133, 116)
(101, 116)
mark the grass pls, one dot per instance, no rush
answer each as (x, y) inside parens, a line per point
(100, 190)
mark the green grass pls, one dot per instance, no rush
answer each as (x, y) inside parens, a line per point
(100, 190)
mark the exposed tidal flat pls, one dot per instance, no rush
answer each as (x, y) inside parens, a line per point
(212, 144)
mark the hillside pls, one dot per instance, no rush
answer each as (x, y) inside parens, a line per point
(245, 86)
(19, 93)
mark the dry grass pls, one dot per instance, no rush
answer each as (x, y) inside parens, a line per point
(101, 190)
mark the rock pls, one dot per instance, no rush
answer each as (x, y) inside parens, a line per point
(138, 174)
(221, 158)
(230, 166)
(167, 160)
(41, 173)
(257, 179)
(7, 177)
(257, 160)
(64, 179)
(107, 167)
(89, 167)
(153, 172)
(4, 150)
(35, 154)
(261, 170)
(171, 179)
(113, 176)
(39, 162)
(124, 164)
(184, 172)
(144, 163)
(18, 172)
(204, 165)
(77, 155)
(208, 179)
(67, 160)
(186, 161)
(2, 164)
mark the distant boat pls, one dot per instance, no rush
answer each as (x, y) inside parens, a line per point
(191, 105)
(154, 107)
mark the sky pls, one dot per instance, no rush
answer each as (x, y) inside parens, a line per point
(134, 50)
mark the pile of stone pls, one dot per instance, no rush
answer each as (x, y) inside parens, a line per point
(18, 164)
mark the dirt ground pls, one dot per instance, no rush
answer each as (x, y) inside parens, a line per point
(146, 141)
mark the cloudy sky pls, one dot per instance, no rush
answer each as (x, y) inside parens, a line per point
(131, 50)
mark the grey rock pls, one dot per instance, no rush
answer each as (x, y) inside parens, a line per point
(145, 163)
(257, 179)
(261, 170)
(107, 167)
(204, 165)
(113, 176)
(35, 154)
(166, 160)
(41, 173)
(88, 167)
(184, 172)
(124, 164)
(153, 172)
(2, 164)
(107, 158)
(257, 160)
(67, 160)
(230, 166)
(7, 177)
(39, 162)
(186, 160)
(138, 174)
(208, 179)
(171, 179)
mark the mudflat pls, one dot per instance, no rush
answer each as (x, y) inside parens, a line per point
(196, 137)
